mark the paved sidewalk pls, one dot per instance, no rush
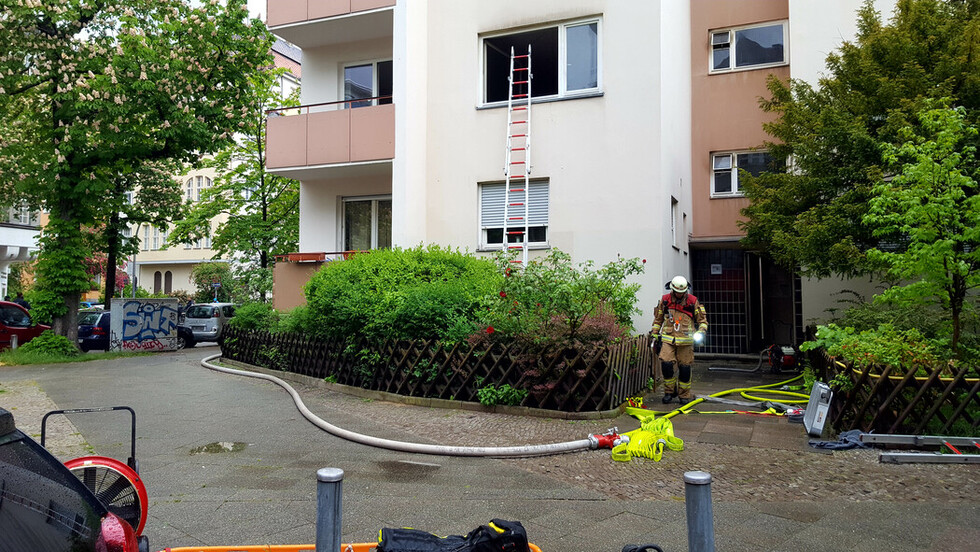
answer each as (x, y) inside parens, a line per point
(771, 493)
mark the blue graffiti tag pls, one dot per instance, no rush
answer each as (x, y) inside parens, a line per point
(146, 321)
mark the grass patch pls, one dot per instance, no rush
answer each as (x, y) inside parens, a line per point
(12, 357)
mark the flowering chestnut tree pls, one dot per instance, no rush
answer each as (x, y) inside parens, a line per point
(92, 91)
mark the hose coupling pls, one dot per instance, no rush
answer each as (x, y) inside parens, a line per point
(609, 439)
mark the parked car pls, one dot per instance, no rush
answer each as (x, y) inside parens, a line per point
(16, 321)
(44, 506)
(208, 320)
(93, 332)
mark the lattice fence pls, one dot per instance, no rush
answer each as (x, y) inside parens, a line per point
(909, 401)
(569, 380)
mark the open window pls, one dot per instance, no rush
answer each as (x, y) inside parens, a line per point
(725, 166)
(749, 47)
(564, 60)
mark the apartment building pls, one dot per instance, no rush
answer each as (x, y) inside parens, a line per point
(160, 268)
(20, 228)
(641, 114)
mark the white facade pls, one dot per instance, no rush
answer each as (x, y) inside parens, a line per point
(613, 157)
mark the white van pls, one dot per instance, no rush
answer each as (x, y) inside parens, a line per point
(206, 320)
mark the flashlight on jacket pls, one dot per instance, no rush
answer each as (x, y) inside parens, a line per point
(698, 337)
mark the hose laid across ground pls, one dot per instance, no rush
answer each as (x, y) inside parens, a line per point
(402, 446)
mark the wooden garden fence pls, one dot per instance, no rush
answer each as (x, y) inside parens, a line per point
(565, 379)
(916, 400)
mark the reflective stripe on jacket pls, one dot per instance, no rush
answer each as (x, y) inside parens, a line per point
(675, 321)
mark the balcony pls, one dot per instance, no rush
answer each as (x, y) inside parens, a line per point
(315, 23)
(331, 140)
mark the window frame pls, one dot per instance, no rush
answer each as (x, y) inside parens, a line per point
(733, 154)
(375, 87)
(485, 245)
(731, 46)
(374, 199)
(562, 61)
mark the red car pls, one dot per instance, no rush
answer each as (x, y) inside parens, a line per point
(16, 321)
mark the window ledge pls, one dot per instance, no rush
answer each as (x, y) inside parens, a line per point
(728, 196)
(546, 99)
(489, 249)
(748, 68)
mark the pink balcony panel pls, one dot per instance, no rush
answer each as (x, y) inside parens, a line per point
(361, 5)
(329, 137)
(372, 133)
(283, 12)
(319, 9)
(286, 141)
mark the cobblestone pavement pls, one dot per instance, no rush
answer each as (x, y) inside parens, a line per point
(739, 473)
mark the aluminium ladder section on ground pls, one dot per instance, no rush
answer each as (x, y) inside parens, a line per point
(517, 171)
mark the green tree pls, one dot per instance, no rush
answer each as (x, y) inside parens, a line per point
(262, 209)
(92, 91)
(205, 275)
(812, 217)
(934, 205)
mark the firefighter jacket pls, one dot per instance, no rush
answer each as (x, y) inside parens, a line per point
(677, 321)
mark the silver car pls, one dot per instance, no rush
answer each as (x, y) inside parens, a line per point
(207, 320)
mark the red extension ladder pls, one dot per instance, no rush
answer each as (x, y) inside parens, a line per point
(517, 168)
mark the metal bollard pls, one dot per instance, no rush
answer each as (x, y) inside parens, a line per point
(13, 341)
(329, 495)
(700, 520)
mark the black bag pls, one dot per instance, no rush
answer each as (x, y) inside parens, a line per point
(497, 536)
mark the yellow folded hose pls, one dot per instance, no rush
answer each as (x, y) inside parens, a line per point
(655, 433)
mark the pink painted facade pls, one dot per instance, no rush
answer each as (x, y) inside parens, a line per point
(284, 12)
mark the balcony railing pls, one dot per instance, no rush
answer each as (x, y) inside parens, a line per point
(342, 132)
(284, 12)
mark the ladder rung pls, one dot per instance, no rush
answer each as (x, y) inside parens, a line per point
(517, 149)
(518, 122)
(515, 204)
(520, 82)
(518, 135)
(520, 95)
(516, 218)
(515, 247)
(517, 261)
(520, 68)
(522, 56)
(512, 190)
(517, 162)
(516, 232)
(522, 108)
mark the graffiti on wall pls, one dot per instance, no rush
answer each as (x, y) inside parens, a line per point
(143, 325)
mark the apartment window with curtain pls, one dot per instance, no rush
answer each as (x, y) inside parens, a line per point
(368, 80)
(565, 60)
(492, 215)
(367, 223)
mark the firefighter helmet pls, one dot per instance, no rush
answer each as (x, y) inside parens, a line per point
(679, 284)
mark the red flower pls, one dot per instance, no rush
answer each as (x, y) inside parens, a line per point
(490, 329)
(644, 261)
(502, 294)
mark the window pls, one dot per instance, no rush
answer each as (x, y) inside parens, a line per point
(157, 277)
(674, 209)
(156, 238)
(367, 223)
(146, 238)
(564, 61)
(368, 80)
(193, 187)
(168, 282)
(492, 215)
(724, 177)
(748, 47)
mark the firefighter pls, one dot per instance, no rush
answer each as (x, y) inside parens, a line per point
(678, 323)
